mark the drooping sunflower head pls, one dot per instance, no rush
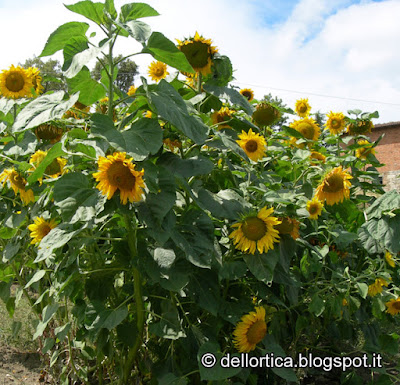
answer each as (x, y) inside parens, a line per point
(256, 232)
(116, 172)
(360, 127)
(78, 111)
(132, 90)
(335, 187)
(336, 122)
(247, 93)
(307, 127)
(54, 169)
(52, 131)
(17, 183)
(289, 226)
(393, 306)
(157, 71)
(250, 330)
(365, 150)
(221, 116)
(40, 228)
(314, 207)
(15, 83)
(252, 144)
(34, 73)
(302, 108)
(317, 156)
(199, 53)
(265, 114)
(376, 287)
(389, 259)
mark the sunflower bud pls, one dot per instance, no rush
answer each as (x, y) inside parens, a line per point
(266, 114)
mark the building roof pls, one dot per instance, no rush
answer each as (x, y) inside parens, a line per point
(387, 125)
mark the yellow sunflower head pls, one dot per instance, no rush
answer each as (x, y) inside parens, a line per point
(40, 228)
(314, 207)
(250, 330)
(365, 150)
(265, 114)
(116, 172)
(289, 226)
(199, 53)
(393, 306)
(34, 73)
(253, 144)
(50, 131)
(247, 93)
(15, 83)
(302, 108)
(307, 127)
(219, 117)
(389, 259)
(335, 187)
(158, 71)
(132, 90)
(317, 156)
(256, 232)
(376, 287)
(360, 127)
(54, 169)
(17, 183)
(336, 122)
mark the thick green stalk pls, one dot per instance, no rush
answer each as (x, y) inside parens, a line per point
(111, 83)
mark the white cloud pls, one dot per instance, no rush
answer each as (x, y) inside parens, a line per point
(326, 47)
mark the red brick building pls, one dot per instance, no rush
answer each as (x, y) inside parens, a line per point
(388, 153)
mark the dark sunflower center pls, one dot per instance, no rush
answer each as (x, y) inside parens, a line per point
(333, 184)
(15, 82)
(306, 129)
(254, 228)
(396, 305)
(53, 168)
(197, 53)
(17, 180)
(303, 108)
(313, 209)
(159, 71)
(120, 176)
(44, 230)
(286, 227)
(335, 123)
(247, 94)
(251, 145)
(257, 332)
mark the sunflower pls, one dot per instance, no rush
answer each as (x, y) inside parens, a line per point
(376, 287)
(15, 83)
(360, 127)
(389, 259)
(17, 183)
(199, 53)
(393, 306)
(40, 228)
(317, 156)
(247, 93)
(132, 90)
(117, 172)
(265, 114)
(335, 187)
(50, 131)
(250, 330)
(307, 127)
(220, 116)
(365, 150)
(172, 144)
(289, 226)
(253, 144)
(336, 122)
(314, 207)
(78, 111)
(302, 108)
(256, 232)
(157, 70)
(54, 169)
(34, 73)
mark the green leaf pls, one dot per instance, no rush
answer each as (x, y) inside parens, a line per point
(135, 11)
(206, 290)
(164, 257)
(26, 146)
(165, 50)
(61, 35)
(74, 45)
(362, 289)
(47, 314)
(55, 152)
(10, 250)
(231, 95)
(262, 265)
(5, 290)
(138, 30)
(317, 305)
(7, 232)
(92, 11)
(388, 344)
(89, 90)
(110, 9)
(36, 277)
(171, 107)
(222, 72)
(110, 319)
(171, 379)
(386, 202)
(43, 109)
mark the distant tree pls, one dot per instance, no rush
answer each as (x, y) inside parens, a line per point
(50, 71)
(127, 70)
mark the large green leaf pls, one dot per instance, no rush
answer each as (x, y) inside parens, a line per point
(61, 35)
(138, 30)
(135, 11)
(74, 45)
(92, 11)
(262, 265)
(387, 202)
(170, 106)
(26, 146)
(109, 318)
(163, 49)
(43, 109)
(89, 90)
(110, 9)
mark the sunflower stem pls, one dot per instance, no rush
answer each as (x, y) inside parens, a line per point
(111, 82)
(199, 82)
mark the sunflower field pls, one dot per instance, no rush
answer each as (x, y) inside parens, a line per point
(159, 233)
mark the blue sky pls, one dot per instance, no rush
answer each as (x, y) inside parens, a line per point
(331, 51)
